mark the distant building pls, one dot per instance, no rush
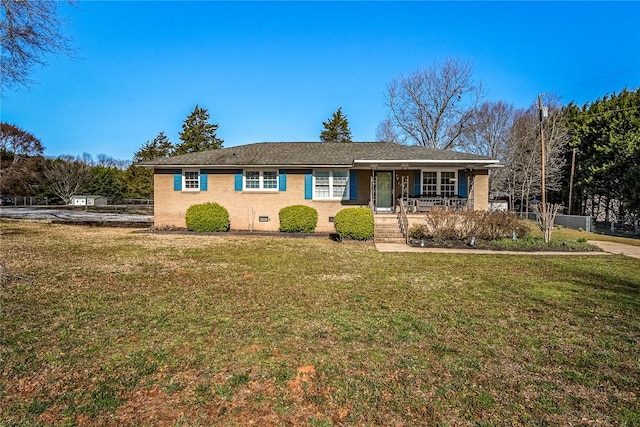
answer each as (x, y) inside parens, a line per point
(88, 201)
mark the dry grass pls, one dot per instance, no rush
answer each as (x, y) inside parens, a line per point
(113, 327)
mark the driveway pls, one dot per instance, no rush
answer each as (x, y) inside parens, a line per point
(76, 216)
(617, 248)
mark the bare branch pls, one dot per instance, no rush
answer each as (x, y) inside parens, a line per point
(433, 107)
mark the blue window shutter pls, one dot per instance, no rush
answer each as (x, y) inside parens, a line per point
(462, 183)
(282, 180)
(308, 185)
(177, 180)
(353, 185)
(417, 185)
(204, 181)
(238, 180)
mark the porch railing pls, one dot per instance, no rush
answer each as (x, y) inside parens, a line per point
(424, 204)
(403, 221)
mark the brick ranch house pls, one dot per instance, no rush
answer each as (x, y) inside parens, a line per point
(253, 182)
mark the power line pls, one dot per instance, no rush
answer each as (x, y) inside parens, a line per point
(600, 78)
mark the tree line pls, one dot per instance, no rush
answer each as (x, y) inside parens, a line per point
(25, 171)
(592, 153)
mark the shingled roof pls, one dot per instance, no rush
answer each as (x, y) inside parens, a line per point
(315, 154)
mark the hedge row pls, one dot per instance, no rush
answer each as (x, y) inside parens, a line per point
(350, 223)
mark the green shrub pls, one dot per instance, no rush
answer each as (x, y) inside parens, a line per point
(207, 217)
(441, 224)
(354, 223)
(298, 219)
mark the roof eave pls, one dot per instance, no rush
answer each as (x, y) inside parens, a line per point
(428, 161)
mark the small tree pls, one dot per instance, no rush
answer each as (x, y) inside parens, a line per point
(336, 129)
(197, 133)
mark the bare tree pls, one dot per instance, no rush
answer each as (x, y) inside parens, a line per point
(488, 130)
(20, 160)
(29, 29)
(16, 143)
(68, 176)
(386, 132)
(488, 135)
(523, 154)
(434, 106)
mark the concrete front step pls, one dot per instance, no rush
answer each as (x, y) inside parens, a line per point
(386, 229)
(399, 240)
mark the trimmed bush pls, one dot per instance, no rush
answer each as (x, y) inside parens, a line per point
(440, 224)
(354, 223)
(207, 217)
(298, 219)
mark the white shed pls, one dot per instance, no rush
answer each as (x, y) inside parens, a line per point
(88, 201)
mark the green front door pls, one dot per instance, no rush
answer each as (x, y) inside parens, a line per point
(384, 191)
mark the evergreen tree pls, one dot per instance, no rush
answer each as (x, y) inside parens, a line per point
(139, 180)
(108, 182)
(336, 129)
(198, 134)
(606, 136)
(159, 147)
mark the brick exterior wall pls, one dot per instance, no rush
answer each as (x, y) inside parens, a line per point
(480, 192)
(245, 207)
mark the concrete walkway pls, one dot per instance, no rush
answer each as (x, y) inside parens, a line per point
(617, 248)
(608, 248)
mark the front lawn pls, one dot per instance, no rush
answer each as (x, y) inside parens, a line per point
(113, 327)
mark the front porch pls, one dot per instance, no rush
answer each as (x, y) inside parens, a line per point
(421, 190)
(393, 227)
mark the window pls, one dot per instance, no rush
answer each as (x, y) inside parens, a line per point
(439, 183)
(261, 180)
(339, 188)
(430, 183)
(252, 180)
(447, 184)
(330, 184)
(191, 180)
(270, 180)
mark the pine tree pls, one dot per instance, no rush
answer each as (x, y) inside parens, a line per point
(139, 180)
(198, 134)
(336, 129)
(161, 146)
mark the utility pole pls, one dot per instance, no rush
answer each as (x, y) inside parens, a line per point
(544, 112)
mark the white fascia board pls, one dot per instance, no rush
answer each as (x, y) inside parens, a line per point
(247, 166)
(429, 161)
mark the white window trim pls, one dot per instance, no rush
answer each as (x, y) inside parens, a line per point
(184, 180)
(261, 181)
(331, 171)
(439, 179)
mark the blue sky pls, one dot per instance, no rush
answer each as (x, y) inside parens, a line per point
(274, 71)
